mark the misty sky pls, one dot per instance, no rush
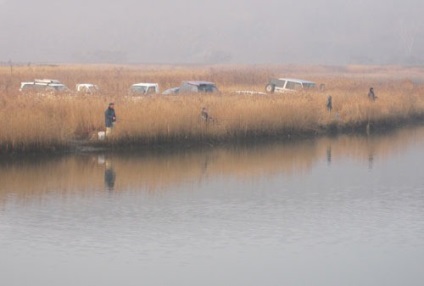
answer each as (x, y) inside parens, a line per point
(212, 31)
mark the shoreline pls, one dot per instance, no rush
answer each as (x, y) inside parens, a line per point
(117, 146)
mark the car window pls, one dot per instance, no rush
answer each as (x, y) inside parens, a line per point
(309, 85)
(293, 85)
(280, 83)
(207, 88)
(140, 89)
(189, 88)
(151, 89)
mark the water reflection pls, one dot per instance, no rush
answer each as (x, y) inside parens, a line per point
(158, 170)
(110, 174)
(329, 154)
(370, 160)
(296, 213)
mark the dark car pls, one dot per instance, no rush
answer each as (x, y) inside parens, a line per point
(198, 87)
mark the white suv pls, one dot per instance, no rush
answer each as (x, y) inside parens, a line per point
(88, 88)
(42, 85)
(143, 88)
(288, 85)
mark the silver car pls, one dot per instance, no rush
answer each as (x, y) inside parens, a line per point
(198, 87)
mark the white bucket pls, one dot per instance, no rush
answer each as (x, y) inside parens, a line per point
(101, 159)
(101, 135)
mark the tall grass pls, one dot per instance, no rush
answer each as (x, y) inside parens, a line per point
(44, 122)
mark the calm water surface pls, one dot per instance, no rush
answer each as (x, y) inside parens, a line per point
(333, 211)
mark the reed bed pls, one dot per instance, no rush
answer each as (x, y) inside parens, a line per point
(48, 122)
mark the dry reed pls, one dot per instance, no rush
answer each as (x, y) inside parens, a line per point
(44, 122)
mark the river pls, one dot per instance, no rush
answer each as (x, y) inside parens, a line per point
(345, 210)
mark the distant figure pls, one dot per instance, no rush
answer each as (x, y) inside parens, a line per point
(371, 94)
(329, 103)
(110, 118)
(204, 115)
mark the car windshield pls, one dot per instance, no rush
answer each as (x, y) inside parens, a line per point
(207, 88)
(308, 85)
(139, 88)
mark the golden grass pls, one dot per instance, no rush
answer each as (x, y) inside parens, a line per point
(37, 122)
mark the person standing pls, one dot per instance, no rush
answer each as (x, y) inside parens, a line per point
(329, 103)
(204, 114)
(371, 94)
(110, 118)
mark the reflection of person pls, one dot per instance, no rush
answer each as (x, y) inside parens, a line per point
(329, 154)
(110, 176)
(371, 94)
(110, 118)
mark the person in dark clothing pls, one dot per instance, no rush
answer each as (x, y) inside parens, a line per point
(371, 94)
(110, 118)
(329, 103)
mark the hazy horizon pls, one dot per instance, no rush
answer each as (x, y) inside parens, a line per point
(189, 31)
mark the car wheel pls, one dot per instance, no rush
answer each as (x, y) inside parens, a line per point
(269, 88)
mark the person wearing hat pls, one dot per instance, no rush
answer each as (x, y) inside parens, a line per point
(110, 118)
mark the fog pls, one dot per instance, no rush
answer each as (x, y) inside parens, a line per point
(218, 31)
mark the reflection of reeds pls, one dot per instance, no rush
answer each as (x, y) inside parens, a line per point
(85, 174)
(71, 174)
(43, 122)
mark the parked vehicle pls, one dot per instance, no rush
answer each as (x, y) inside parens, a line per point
(288, 85)
(43, 85)
(198, 87)
(143, 88)
(87, 88)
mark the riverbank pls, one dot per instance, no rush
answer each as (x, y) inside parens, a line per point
(71, 122)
